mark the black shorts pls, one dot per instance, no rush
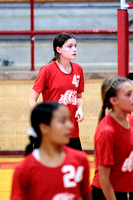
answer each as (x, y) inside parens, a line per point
(97, 194)
(75, 143)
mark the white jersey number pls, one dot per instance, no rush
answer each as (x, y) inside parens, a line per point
(76, 80)
(72, 176)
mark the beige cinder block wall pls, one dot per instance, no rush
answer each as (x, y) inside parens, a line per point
(15, 113)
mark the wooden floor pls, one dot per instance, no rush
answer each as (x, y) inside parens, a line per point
(6, 171)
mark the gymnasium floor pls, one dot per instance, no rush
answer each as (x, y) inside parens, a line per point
(6, 170)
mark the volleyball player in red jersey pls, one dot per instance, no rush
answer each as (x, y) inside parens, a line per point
(63, 81)
(114, 142)
(52, 171)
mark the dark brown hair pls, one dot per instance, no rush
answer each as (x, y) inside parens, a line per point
(58, 41)
(42, 113)
(109, 89)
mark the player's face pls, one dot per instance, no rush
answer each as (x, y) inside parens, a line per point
(68, 50)
(124, 97)
(60, 126)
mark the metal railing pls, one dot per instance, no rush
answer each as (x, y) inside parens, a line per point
(123, 35)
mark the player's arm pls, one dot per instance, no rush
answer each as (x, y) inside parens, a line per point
(33, 98)
(79, 113)
(104, 180)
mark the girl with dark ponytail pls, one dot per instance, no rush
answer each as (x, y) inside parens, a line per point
(114, 141)
(105, 92)
(40, 114)
(62, 80)
(51, 170)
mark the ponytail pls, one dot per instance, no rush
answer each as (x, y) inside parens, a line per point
(30, 146)
(34, 141)
(102, 113)
(53, 59)
(34, 144)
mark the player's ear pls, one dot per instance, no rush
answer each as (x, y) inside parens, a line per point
(113, 101)
(58, 49)
(44, 128)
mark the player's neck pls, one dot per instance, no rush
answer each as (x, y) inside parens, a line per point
(64, 66)
(121, 119)
(51, 156)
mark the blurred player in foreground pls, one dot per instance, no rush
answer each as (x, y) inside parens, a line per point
(52, 171)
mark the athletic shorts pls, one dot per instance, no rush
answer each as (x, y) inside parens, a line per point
(75, 143)
(97, 194)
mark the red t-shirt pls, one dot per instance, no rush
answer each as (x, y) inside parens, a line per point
(34, 181)
(56, 85)
(113, 144)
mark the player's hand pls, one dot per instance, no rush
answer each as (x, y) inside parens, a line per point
(79, 115)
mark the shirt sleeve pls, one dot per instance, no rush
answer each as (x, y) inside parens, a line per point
(104, 145)
(19, 185)
(81, 81)
(41, 80)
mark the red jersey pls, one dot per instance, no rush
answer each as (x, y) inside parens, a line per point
(34, 181)
(56, 85)
(113, 144)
